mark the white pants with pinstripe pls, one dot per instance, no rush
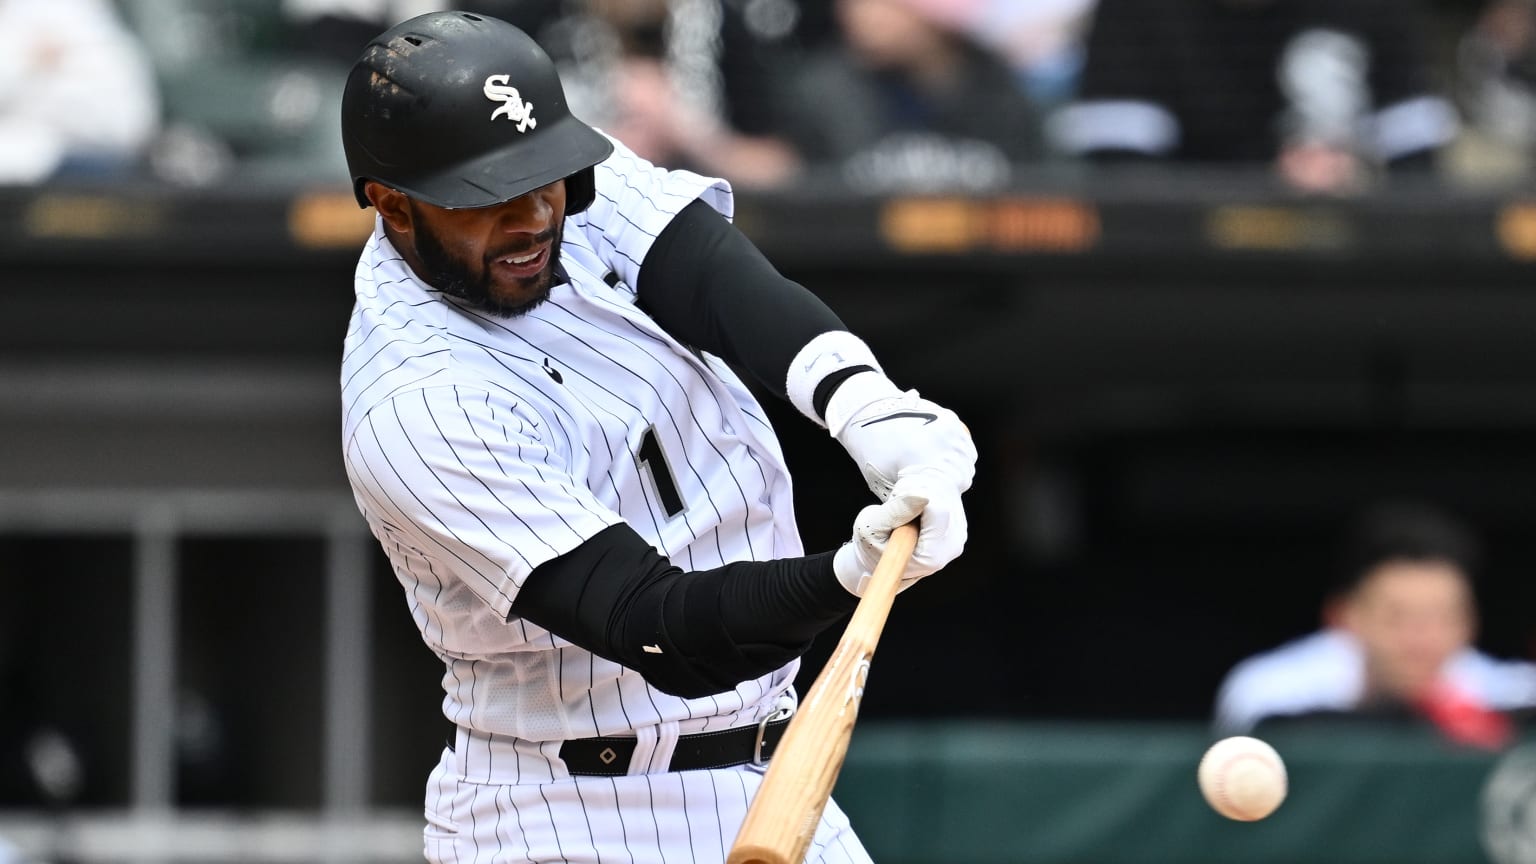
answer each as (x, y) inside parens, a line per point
(491, 801)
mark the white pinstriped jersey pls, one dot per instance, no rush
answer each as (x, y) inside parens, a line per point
(480, 447)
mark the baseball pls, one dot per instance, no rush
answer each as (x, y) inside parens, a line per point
(1242, 778)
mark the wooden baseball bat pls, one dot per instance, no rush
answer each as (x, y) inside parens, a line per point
(783, 817)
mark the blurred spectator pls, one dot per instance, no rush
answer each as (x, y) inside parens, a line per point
(687, 83)
(692, 84)
(911, 98)
(1327, 91)
(1397, 641)
(1495, 71)
(1042, 40)
(77, 95)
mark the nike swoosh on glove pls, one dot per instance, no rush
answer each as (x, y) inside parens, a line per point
(890, 433)
(927, 495)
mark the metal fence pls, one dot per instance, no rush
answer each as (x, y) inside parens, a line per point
(151, 827)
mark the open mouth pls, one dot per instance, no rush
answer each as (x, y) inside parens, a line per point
(524, 264)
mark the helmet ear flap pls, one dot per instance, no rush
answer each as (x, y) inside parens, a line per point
(580, 191)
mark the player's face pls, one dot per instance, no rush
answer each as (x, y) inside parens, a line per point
(1411, 617)
(500, 258)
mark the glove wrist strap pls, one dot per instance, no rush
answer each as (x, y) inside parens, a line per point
(854, 395)
(829, 352)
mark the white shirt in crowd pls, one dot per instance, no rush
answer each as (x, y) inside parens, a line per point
(1325, 672)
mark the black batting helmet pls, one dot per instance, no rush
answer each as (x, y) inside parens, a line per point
(463, 110)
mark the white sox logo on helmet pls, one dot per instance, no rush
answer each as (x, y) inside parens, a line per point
(513, 107)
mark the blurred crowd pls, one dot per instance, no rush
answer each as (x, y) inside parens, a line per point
(1325, 96)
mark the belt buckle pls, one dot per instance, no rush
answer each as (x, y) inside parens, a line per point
(780, 713)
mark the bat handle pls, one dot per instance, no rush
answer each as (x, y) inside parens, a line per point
(783, 816)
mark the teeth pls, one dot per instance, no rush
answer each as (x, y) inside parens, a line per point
(523, 260)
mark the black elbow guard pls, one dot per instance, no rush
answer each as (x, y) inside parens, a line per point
(692, 654)
(617, 597)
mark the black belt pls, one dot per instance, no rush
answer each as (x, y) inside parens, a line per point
(609, 757)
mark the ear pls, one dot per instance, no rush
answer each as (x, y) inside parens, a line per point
(392, 205)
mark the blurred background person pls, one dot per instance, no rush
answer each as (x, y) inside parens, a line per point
(1494, 70)
(1042, 40)
(77, 94)
(1328, 92)
(1397, 641)
(694, 84)
(909, 97)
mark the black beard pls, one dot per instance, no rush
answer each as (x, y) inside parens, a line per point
(452, 276)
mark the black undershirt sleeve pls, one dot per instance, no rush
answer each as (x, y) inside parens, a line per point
(707, 630)
(706, 284)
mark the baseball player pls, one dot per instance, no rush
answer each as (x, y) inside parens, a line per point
(589, 514)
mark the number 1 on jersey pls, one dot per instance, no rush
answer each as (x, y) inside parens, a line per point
(654, 462)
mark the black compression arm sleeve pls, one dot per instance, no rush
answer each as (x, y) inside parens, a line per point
(708, 630)
(706, 284)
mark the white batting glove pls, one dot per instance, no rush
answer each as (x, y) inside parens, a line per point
(890, 433)
(930, 497)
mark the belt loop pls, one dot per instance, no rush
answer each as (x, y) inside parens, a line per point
(667, 735)
(460, 750)
(645, 750)
(784, 710)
